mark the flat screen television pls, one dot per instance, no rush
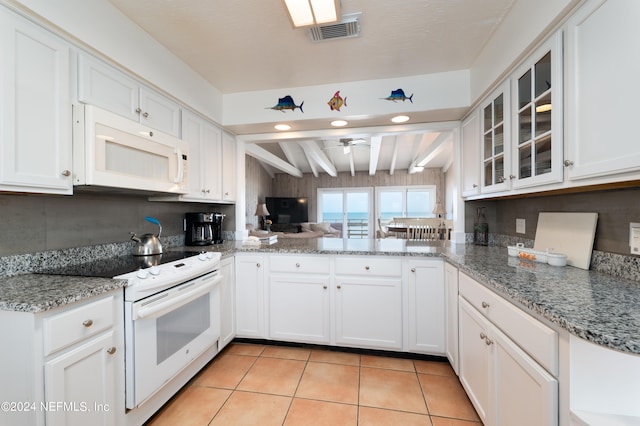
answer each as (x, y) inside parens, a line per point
(287, 209)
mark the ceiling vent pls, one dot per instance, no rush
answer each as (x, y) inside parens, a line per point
(348, 27)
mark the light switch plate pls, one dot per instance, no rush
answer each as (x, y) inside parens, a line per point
(634, 237)
(520, 226)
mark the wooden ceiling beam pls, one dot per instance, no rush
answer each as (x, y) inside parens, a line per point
(262, 154)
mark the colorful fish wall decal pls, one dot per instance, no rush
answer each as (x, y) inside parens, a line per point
(398, 95)
(286, 103)
(337, 102)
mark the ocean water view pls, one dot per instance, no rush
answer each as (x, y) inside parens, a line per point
(334, 217)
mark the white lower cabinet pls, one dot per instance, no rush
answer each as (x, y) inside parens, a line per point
(475, 359)
(298, 298)
(504, 383)
(227, 303)
(299, 308)
(66, 366)
(451, 314)
(352, 301)
(250, 295)
(84, 379)
(368, 302)
(425, 306)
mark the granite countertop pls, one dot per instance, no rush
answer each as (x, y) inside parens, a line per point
(38, 293)
(597, 307)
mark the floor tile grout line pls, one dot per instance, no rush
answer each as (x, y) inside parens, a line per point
(307, 361)
(235, 388)
(296, 389)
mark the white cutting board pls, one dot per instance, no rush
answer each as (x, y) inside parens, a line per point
(567, 233)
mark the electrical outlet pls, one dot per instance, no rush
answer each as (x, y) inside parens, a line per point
(520, 226)
(634, 237)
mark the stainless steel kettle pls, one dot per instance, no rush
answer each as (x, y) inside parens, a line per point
(147, 244)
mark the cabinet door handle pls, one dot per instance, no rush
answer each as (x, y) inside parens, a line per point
(339, 287)
(324, 286)
(485, 305)
(257, 265)
(488, 341)
(475, 185)
(145, 115)
(413, 269)
(87, 323)
(297, 265)
(66, 173)
(111, 350)
(367, 268)
(483, 336)
(512, 177)
(138, 110)
(568, 163)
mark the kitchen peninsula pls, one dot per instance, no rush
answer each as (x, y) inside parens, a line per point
(579, 306)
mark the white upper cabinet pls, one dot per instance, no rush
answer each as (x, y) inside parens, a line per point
(104, 86)
(495, 126)
(470, 141)
(35, 109)
(205, 154)
(537, 144)
(228, 167)
(602, 90)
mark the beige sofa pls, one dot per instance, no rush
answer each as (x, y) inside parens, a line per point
(308, 230)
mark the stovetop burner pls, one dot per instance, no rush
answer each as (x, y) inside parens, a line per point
(115, 266)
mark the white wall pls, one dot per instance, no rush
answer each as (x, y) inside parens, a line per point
(101, 26)
(432, 92)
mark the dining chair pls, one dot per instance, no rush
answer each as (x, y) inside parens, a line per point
(421, 229)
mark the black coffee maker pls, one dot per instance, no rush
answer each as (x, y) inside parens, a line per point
(203, 229)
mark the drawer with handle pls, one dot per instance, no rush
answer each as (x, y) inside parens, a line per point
(305, 264)
(75, 324)
(538, 340)
(369, 266)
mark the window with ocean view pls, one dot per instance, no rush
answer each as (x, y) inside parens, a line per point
(404, 201)
(349, 207)
(355, 210)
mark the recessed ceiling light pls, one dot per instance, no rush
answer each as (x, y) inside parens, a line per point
(282, 127)
(339, 123)
(400, 119)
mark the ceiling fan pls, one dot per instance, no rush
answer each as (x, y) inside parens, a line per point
(347, 143)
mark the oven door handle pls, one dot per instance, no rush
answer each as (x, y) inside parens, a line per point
(173, 303)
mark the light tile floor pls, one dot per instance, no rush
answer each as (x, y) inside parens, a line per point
(254, 384)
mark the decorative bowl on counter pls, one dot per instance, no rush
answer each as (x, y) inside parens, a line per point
(520, 251)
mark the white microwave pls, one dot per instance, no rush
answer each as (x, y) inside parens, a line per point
(115, 152)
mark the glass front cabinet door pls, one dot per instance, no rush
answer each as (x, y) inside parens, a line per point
(537, 118)
(495, 141)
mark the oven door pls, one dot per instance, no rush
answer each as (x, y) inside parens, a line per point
(167, 331)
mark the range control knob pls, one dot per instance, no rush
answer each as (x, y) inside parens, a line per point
(154, 270)
(202, 256)
(143, 274)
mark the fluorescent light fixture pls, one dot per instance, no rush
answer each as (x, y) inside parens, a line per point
(543, 108)
(282, 127)
(304, 13)
(416, 169)
(400, 119)
(339, 123)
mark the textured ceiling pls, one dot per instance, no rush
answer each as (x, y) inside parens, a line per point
(249, 45)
